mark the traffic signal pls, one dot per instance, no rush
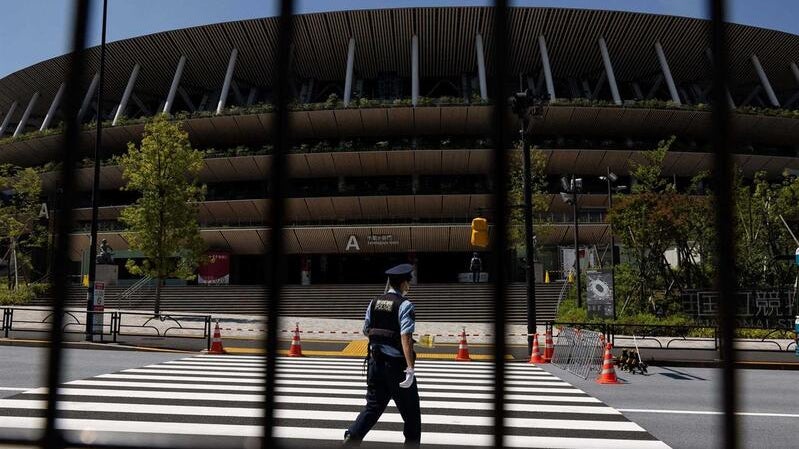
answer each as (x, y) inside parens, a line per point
(480, 232)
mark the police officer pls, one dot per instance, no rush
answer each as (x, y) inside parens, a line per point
(389, 324)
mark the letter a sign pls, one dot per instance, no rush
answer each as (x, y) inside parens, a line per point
(352, 244)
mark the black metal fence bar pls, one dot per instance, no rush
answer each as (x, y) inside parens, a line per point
(500, 203)
(279, 183)
(725, 278)
(52, 438)
(722, 142)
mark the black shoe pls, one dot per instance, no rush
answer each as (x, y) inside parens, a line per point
(349, 440)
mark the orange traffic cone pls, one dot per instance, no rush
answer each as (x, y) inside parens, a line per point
(463, 349)
(535, 356)
(296, 347)
(216, 342)
(549, 347)
(608, 375)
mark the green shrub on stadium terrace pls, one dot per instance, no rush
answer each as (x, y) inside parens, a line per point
(333, 102)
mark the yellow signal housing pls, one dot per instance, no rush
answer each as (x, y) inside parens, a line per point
(480, 232)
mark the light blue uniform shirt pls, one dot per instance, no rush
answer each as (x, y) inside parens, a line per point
(407, 324)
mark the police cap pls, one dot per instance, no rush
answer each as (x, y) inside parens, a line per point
(402, 271)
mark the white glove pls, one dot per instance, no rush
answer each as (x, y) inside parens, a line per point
(408, 378)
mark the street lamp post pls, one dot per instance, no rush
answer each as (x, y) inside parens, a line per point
(577, 244)
(527, 106)
(611, 178)
(569, 196)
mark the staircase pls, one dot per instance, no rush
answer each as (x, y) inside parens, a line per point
(434, 302)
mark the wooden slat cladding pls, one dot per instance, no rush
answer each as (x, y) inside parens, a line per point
(446, 49)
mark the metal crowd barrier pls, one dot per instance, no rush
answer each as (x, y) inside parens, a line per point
(579, 351)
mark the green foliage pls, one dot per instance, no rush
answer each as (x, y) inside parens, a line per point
(538, 165)
(656, 218)
(22, 295)
(333, 102)
(162, 223)
(20, 227)
(568, 312)
(760, 233)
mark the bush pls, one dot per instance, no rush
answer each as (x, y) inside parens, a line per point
(22, 295)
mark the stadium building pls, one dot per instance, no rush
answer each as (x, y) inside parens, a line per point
(390, 124)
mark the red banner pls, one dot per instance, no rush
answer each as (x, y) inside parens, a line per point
(216, 270)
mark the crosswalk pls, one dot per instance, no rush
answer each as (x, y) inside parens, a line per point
(217, 400)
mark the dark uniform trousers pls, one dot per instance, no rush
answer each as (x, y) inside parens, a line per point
(383, 378)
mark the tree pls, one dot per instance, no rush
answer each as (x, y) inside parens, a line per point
(761, 235)
(20, 230)
(162, 223)
(538, 165)
(656, 218)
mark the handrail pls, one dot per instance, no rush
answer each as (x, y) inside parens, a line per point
(562, 294)
(128, 293)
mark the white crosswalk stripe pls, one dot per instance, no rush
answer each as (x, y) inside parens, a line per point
(317, 398)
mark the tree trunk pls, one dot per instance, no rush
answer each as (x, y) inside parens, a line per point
(157, 307)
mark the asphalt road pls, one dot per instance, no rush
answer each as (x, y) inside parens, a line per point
(680, 405)
(677, 405)
(24, 367)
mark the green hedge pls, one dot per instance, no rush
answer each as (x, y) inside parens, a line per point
(334, 103)
(22, 295)
(570, 313)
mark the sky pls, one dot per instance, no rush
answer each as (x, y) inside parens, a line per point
(35, 30)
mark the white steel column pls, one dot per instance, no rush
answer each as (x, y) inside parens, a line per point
(795, 71)
(7, 118)
(614, 88)
(664, 66)
(772, 98)
(170, 98)
(88, 98)
(414, 69)
(53, 107)
(231, 65)
(123, 104)
(542, 47)
(481, 66)
(350, 69)
(25, 115)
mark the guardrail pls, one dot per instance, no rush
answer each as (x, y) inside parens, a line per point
(118, 324)
(685, 337)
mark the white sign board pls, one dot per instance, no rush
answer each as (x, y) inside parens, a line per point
(98, 306)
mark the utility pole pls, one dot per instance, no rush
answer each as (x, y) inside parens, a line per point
(96, 184)
(576, 243)
(611, 178)
(525, 106)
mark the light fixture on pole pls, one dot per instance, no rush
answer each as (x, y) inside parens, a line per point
(611, 179)
(572, 187)
(527, 107)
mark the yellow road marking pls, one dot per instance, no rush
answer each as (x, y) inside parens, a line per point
(356, 348)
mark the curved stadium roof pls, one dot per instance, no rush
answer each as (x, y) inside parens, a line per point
(446, 39)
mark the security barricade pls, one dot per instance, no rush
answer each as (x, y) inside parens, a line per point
(578, 351)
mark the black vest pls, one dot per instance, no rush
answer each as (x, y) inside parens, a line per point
(384, 325)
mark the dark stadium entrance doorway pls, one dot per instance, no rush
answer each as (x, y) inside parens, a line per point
(369, 268)
(355, 268)
(358, 268)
